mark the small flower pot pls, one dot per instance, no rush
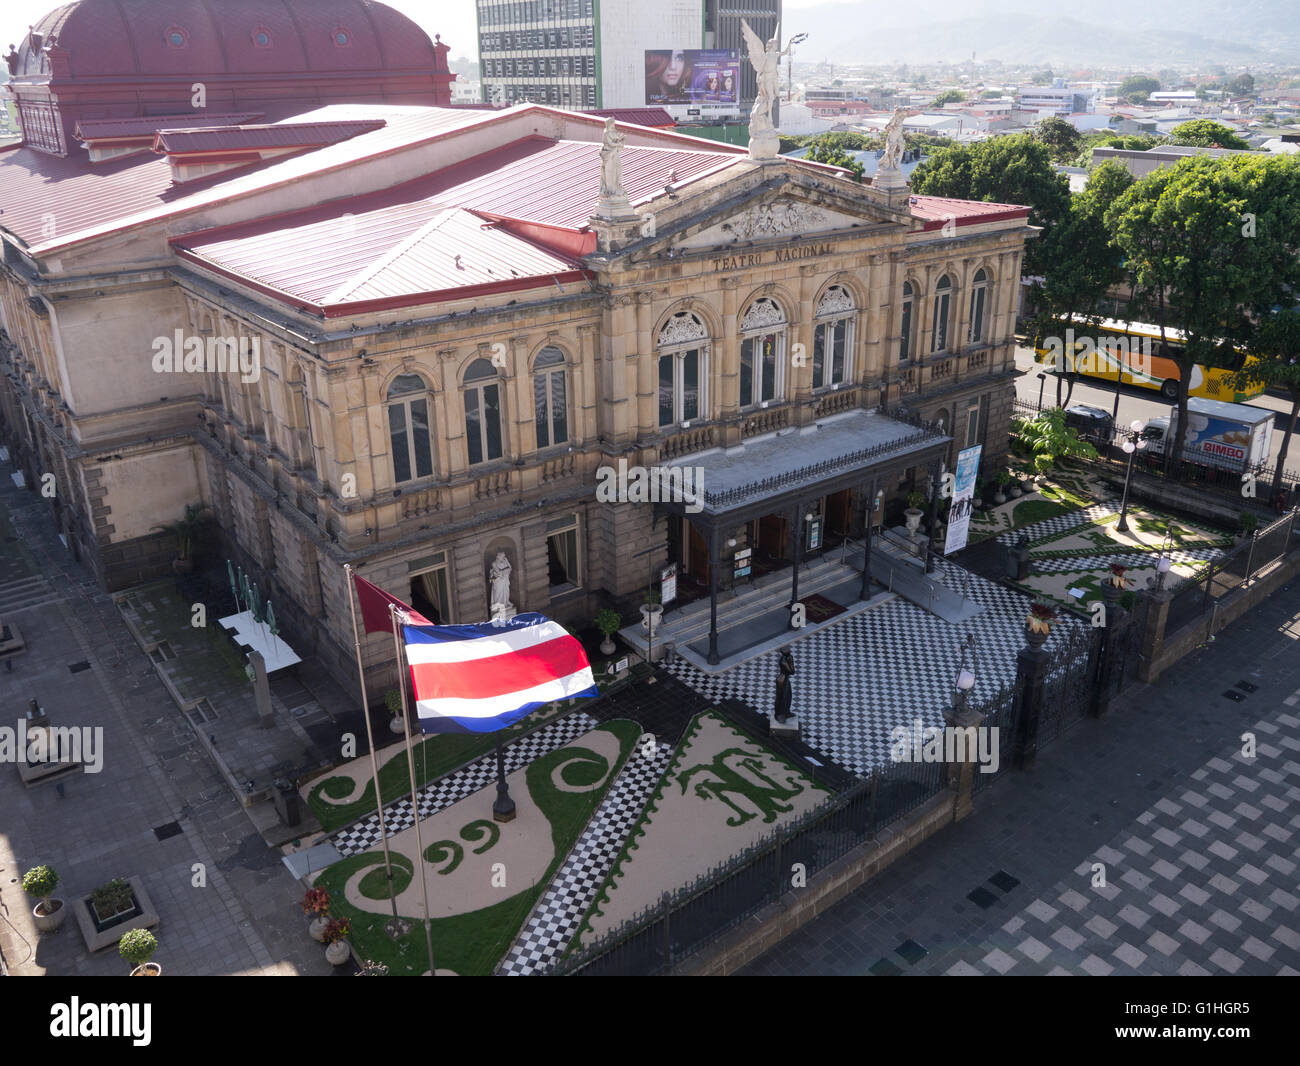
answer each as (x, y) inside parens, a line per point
(317, 929)
(148, 969)
(337, 953)
(49, 922)
(1014, 490)
(912, 517)
(999, 498)
(396, 725)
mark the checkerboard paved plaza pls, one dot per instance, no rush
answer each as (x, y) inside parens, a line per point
(555, 920)
(363, 835)
(1199, 844)
(858, 679)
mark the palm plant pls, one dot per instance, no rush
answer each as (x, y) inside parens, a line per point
(187, 528)
(1049, 440)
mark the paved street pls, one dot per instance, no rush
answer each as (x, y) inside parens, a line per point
(1134, 402)
(1199, 844)
(85, 670)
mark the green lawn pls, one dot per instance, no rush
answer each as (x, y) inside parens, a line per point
(471, 944)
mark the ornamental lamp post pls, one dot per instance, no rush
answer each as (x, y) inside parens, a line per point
(1132, 445)
(1162, 571)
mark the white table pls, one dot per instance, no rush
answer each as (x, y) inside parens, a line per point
(257, 636)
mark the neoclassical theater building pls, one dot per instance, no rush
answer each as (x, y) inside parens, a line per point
(436, 326)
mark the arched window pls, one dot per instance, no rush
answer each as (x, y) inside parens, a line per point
(978, 301)
(833, 339)
(683, 368)
(550, 398)
(408, 428)
(482, 412)
(762, 353)
(905, 338)
(942, 314)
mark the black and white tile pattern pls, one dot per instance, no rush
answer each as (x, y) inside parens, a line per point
(1069, 563)
(859, 678)
(1058, 524)
(559, 912)
(447, 790)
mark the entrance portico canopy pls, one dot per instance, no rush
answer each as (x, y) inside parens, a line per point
(785, 472)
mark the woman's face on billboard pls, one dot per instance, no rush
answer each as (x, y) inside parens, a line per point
(676, 68)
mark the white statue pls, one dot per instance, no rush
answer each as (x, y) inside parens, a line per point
(894, 143)
(499, 577)
(766, 59)
(611, 163)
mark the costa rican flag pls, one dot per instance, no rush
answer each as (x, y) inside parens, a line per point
(481, 678)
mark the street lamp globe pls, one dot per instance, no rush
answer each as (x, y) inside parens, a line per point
(965, 680)
(1129, 447)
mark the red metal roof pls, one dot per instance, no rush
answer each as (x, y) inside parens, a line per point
(538, 189)
(349, 264)
(103, 129)
(655, 117)
(252, 138)
(936, 210)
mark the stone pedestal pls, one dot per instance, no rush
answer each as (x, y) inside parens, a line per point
(261, 690)
(789, 728)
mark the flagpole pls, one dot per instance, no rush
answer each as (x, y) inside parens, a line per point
(398, 927)
(415, 792)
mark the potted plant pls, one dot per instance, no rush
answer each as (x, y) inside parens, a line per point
(1247, 523)
(316, 906)
(336, 934)
(913, 514)
(608, 622)
(1000, 482)
(981, 491)
(186, 531)
(137, 947)
(393, 701)
(651, 612)
(112, 903)
(41, 881)
(1039, 622)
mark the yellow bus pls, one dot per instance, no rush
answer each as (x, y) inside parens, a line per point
(1127, 350)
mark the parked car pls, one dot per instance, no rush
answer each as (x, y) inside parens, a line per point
(1091, 423)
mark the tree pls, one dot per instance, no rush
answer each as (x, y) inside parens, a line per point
(1016, 169)
(1205, 133)
(1276, 348)
(1242, 85)
(949, 96)
(1043, 77)
(822, 152)
(1138, 83)
(1196, 263)
(1061, 138)
(1086, 263)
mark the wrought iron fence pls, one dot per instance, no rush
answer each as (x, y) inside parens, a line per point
(685, 921)
(999, 713)
(1196, 597)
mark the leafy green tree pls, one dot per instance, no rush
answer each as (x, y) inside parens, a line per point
(1061, 138)
(1016, 169)
(1138, 83)
(821, 152)
(1049, 440)
(1043, 77)
(1242, 85)
(1205, 133)
(1275, 344)
(949, 96)
(1204, 241)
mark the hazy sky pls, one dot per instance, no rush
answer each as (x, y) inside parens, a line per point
(454, 19)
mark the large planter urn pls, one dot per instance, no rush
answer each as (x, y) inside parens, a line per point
(999, 497)
(1014, 490)
(49, 914)
(607, 646)
(317, 929)
(651, 613)
(337, 953)
(147, 969)
(395, 725)
(912, 516)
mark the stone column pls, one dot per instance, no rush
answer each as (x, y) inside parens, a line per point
(1031, 668)
(961, 773)
(261, 690)
(1153, 635)
(727, 351)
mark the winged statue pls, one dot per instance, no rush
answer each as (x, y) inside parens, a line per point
(766, 60)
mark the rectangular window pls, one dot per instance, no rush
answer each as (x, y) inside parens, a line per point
(940, 340)
(473, 427)
(691, 385)
(559, 408)
(666, 389)
(397, 434)
(838, 332)
(973, 426)
(977, 315)
(819, 357)
(905, 341)
(420, 433)
(562, 556)
(492, 415)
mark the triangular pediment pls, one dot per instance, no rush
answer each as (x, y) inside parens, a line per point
(778, 218)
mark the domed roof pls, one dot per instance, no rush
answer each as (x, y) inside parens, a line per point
(152, 38)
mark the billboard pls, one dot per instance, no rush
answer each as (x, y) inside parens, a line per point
(692, 76)
(963, 496)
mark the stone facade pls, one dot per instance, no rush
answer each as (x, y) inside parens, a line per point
(297, 465)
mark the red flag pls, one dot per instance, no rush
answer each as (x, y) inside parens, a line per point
(374, 603)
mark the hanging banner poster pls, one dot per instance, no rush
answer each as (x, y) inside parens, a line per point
(963, 499)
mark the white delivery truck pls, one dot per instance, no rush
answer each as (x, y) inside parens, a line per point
(1232, 436)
